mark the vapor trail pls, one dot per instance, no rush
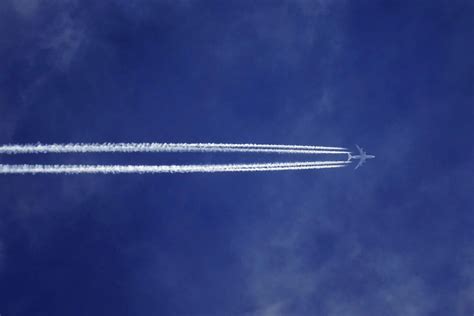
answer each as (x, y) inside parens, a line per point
(117, 169)
(168, 147)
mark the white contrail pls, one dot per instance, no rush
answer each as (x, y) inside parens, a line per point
(262, 146)
(117, 169)
(168, 147)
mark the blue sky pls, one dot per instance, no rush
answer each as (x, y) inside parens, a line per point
(394, 237)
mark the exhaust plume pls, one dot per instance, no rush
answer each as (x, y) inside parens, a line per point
(168, 147)
(141, 169)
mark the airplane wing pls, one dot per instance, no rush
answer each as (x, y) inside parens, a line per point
(361, 162)
(361, 151)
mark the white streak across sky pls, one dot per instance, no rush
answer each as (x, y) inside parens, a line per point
(141, 169)
(84, 148)
(168, 147)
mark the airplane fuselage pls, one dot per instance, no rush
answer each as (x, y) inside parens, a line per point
(362, 156)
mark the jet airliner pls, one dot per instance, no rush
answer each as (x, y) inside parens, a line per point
(362, 156)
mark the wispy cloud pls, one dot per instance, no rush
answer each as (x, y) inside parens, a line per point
(465, 300)
(63, 40)
(61, 36)
(39, 48)
(26, 8)
(276, 35)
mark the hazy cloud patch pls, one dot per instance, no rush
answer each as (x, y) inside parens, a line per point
(26, 8)
(62, 41)
(278, 36)
(464, 302)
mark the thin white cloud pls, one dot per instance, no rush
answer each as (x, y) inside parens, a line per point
(275, 36)
(26, 8)
(464, 302)
(61, 36)
(63, 41)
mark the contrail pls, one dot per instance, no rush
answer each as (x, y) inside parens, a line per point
(168, 147)
(141, 169)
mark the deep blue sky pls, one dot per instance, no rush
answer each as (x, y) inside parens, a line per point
(395, 237)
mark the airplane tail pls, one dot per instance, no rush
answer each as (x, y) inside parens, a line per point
(349, 157)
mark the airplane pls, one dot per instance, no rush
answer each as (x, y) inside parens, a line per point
(362, 156)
